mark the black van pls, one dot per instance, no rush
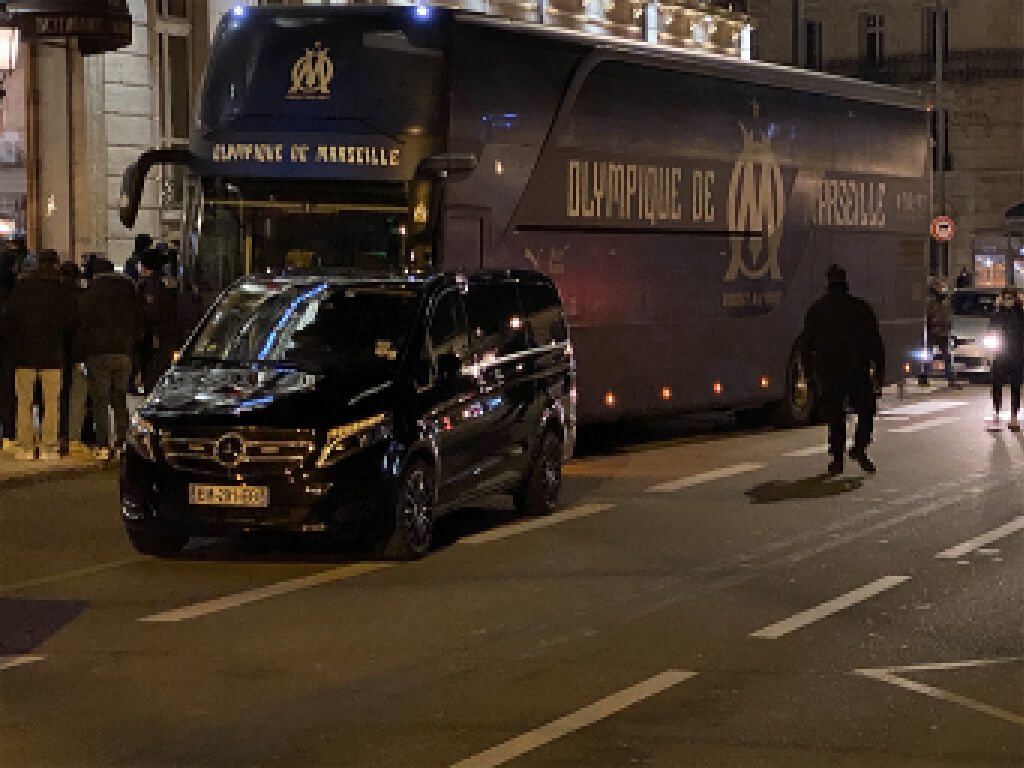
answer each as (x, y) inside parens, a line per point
(315, 403)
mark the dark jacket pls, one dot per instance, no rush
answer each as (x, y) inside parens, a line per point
(39, 321)
(160, 307)
(1008, 322)
(111, 317)
(841, 337)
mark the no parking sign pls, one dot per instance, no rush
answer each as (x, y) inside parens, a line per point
(942, 229)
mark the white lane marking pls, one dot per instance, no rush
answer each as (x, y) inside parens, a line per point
(811, 615)
(814, 450)
(922, 408)
(67, 575)
(581, 718)
(704, 477)
(1017, 524)
(262, 593)
(9, 662)
(888, 676)
(573, 513)
(922, 425)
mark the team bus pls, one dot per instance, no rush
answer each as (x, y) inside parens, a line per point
(686, 204)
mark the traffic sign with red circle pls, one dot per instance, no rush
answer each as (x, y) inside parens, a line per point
(942, 228)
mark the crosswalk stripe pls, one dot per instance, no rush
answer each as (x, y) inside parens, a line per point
(922, 425)
(704, 477)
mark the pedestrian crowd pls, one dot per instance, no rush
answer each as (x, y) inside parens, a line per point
(76, 340)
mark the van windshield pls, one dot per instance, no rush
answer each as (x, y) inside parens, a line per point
(973, 304)
(314, 326)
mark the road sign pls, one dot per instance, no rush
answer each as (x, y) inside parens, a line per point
(942, 229)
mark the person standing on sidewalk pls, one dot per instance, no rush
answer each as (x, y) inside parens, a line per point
(41, 318)
(8, 279)
(1007, 323)
(160, 309)
(111, 319)
(842, 347)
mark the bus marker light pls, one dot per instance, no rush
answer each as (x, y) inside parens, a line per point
(717, 388)
(764, 382)
(666, 393)
(176, 355)
(515, 323)
(609, 399)
(499, 168)
(906, 367)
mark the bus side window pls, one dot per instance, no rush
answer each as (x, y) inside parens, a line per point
(448, 330)
(544, 317)
(495, 319)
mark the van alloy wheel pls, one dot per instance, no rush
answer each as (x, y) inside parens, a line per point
(414, 513)
(542, 482)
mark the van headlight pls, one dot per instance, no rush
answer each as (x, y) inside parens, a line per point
(991, 342)
(343, 440)
(142, 436)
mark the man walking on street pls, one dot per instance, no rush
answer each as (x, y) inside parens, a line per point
(940, 330)
(1007, 323)
(111, 317)
(40, 319)
(842, 347)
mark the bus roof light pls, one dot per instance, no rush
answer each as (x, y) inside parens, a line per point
(609, 399)
(422, 12)
(717, 388)
(666, 393)
(238, 11)
(764, 382)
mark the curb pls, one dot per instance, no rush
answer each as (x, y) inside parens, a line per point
(37, 476)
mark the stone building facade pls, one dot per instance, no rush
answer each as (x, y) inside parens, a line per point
(83, 119)
(893, 42)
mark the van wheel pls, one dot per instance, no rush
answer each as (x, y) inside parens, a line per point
(414, 513)
(157, 543)
(538, 494)
(798, 402)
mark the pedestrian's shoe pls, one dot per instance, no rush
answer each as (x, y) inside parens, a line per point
(1014, 425)
(858, 455)
(835, 467)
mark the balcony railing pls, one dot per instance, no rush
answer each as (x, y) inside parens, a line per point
(960, 66)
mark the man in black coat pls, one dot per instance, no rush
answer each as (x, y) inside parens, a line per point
(8, 279)
(160, 309)
(40, 319)
(111, 322)
(1007, 323)
(842, 348)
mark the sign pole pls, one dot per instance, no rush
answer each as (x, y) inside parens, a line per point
(940, 129)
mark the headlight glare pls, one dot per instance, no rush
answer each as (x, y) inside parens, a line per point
(991, 341)
(352, 437)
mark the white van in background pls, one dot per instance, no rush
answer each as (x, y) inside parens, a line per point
(972, 308)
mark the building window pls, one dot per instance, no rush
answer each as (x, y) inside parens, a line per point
(812, 45)
(873, 38)
(173, 8)
(928, 34)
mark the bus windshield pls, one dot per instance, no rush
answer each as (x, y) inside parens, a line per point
(314, 326)
(247, 227)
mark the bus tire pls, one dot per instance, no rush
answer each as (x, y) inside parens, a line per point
(798, 404)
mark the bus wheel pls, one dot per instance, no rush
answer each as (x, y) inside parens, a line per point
(797, 406)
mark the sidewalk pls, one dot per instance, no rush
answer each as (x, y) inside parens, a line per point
(14, 470)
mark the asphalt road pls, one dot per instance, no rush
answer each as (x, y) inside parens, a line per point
(705, 600)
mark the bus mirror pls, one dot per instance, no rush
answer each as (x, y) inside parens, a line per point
(449, 165)
(134, 178)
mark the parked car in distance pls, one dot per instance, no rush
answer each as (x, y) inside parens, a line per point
(319, 403)
(971, 309)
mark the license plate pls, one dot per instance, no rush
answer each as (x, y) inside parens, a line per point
(229, 495)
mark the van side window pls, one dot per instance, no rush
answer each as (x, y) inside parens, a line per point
(544, 317)
(448, 331)
(496, 324)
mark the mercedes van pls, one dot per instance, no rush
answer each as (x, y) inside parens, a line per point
(319, 403)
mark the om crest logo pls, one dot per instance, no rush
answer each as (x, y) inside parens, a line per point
(757, 203)
(312, 75)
